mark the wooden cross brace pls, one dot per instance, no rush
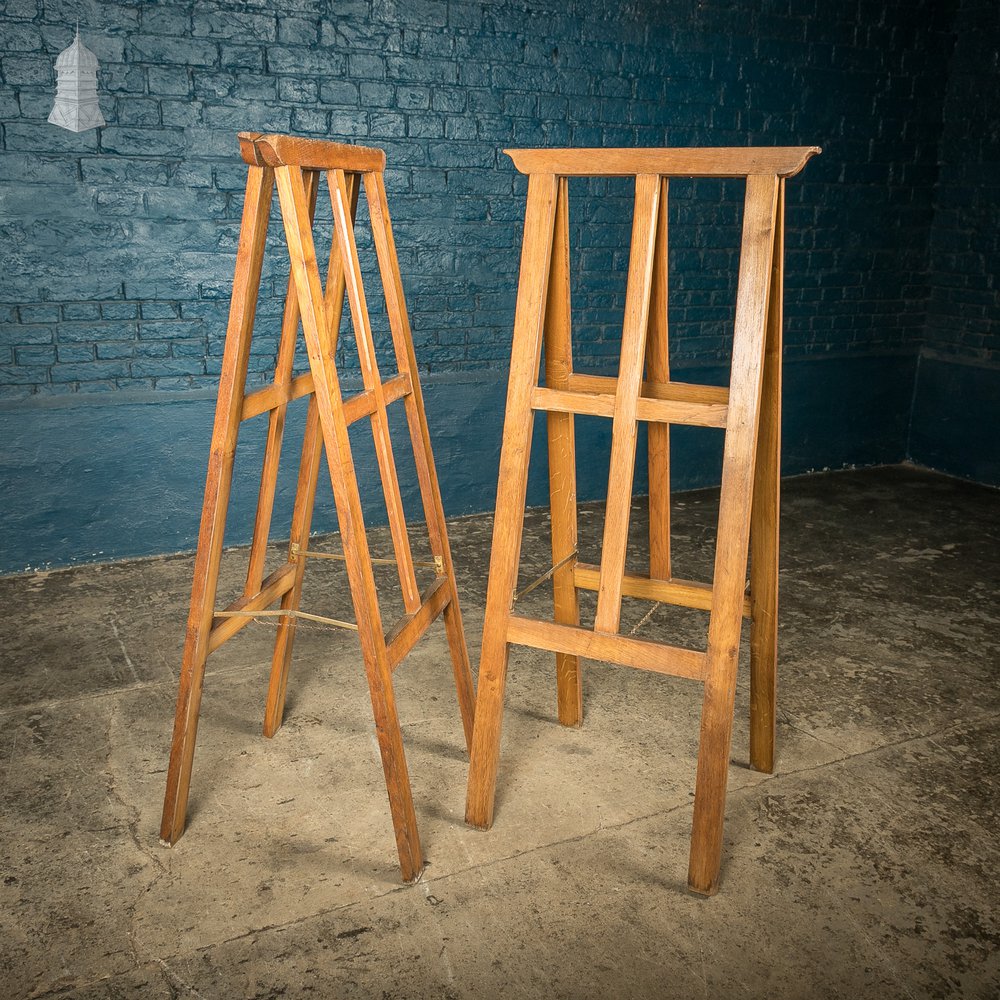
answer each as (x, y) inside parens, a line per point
(750, 412)
(295, 167)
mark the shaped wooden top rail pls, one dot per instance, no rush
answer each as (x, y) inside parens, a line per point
(313, 154)
(721, 161)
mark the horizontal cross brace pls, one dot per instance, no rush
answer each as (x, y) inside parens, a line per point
(274, 587)
(682, 593)
(410, 628)
(623, 650)
(659, 402)
(399, 641)
(360, 405)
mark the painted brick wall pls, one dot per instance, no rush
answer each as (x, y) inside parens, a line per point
(117, 245)
(956, 405)
(964, 311)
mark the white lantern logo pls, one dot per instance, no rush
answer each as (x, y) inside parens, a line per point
(76, 106)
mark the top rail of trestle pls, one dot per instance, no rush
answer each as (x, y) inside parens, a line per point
(311, 154)
(722, 161)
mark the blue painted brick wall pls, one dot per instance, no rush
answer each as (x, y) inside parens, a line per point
(956, 400)
(117, 245)
(964, 311)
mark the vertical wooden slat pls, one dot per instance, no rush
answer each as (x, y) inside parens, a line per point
(249, 259)
(764, 519)
(658, 370)
(276, 423)
(536, 257)
(312, 450)
(562, 461)
(734, 529)
(291, 191)
(416, 418)
(344, 234)
(305, 496)
(624, 427)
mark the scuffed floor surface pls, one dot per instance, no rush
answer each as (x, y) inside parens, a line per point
(866, 866)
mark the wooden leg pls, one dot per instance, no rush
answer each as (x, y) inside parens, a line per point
(276, 425)
(562, 462)
(764, 522)
(536, 257)
(420, 441)
(344, 235)
(312, 451)
(291, 191)
(624, 426)
(249, 259)
(734, 533)
(658, 435)
(305, 496)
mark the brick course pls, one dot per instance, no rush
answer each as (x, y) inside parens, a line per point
(117, 245)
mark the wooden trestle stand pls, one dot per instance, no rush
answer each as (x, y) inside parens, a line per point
(295, 165)
(749, 410)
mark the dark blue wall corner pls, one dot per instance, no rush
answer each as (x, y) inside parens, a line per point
(956, 416)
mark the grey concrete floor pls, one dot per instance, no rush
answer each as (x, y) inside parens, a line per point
(866, 866)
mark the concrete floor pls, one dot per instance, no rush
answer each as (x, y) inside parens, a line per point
(867, 866)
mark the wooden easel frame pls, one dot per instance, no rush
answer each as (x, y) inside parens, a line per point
(295, 166)
(750, 412)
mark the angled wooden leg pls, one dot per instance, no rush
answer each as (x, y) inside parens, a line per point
(420, 441)
(344, 236)
(658, 370)
(536, 256)
(305, 497)
(764, 526)
(249, 259)
(624, 426)
(734, 531)
(294, 205)
(276, 425)
(312, 450)
(562, 462)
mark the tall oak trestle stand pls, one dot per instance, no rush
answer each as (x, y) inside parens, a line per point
(749, 411)
(296, 167)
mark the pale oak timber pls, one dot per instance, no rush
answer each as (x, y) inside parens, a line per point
(294, 165)
(682, 593)
(344, 234)
(749, 403)
(276, 423)
(624, 428)
(311, 154)
(654, 411)
(420, 441)
(232, 380)
(620, 649)
(658, 370)
(508, 523)
(312, 447)
(764, 520)
(301, 250)
(722, 161)
(562, 462)
(734, 531)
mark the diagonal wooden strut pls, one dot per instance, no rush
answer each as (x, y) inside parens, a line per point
(296, 167)
(749, 412)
